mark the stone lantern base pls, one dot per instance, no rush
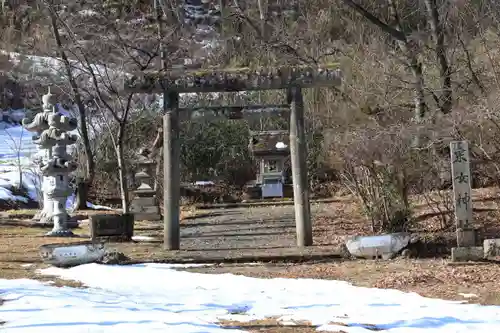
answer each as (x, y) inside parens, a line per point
(145, 206)
(48, 221)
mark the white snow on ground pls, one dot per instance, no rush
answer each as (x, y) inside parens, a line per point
(31, 182)
(17, 151)
(155, 297)
(142, 238)
(15, 142)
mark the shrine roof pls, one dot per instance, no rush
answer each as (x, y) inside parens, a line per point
(270, 142)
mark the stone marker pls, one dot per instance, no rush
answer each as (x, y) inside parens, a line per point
(119, 226)
(461, 178)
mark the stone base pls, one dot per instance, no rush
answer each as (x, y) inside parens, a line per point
(147, 217)
(472, 253)
(60, 233)
(145, 208)
(46, 221)
(467, 237)
(144, 201)
(491, 247)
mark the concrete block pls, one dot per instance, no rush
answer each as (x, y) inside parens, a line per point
(491, 247)
(472, 253)
(385, 246)
(112, 225)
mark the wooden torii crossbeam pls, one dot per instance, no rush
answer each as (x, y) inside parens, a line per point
(240, 79)
(246, 112)
(293, 79)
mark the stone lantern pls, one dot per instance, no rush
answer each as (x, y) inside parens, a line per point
(55, 164)
(145, 206)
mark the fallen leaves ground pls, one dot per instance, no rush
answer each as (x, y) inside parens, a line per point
(270, 325)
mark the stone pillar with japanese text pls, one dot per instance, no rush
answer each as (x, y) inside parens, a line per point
(461, 177)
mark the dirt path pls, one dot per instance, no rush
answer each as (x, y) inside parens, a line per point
(246, 229)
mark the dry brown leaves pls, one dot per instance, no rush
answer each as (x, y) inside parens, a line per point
(269, 325)
(337, 220)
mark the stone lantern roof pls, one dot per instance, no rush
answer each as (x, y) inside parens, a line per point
(270, 143)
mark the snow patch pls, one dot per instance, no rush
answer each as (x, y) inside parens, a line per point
(142, 238)
(88, 12)
(156, 297)
(281, 145)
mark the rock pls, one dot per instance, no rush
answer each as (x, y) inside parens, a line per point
(415, 238)
(114, 258)
(385, 246)
(491, 247)
(72, 254)
(344, 252)
(406, 254)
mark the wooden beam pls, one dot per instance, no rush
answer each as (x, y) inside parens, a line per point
(272, 132)
(299, 170)
(233, 112)
(232, 80)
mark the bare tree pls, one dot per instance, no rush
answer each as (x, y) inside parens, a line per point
(438, 31)
(408, 49)
(82, 186)
(98, 70)
(17, 146)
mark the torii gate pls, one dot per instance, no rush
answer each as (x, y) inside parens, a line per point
(175, 82)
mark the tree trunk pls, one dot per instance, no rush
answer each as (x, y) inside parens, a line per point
(408, 48)
(159, 164)
(418, 84)
(437, 30)
(419, 99)
(122, 174)
(263, 18)
(81, 194)
(20, 170)
(81, 203)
